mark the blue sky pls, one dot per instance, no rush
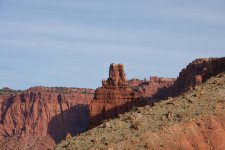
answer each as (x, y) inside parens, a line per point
(71, 43)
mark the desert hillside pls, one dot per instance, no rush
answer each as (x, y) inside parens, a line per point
(41, 117)
(194, 120)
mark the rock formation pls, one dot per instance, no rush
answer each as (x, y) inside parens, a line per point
(195, 73)
(192, 121)
(117, 77)
(135, 83)
(150, 88)
(114, 97)
(42, 113)
(40, 117)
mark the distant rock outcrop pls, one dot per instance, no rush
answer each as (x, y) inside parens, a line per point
(195, 73)
(42, 112)
(149, 88)
(114, 97)
(192, 121)
(40, 117)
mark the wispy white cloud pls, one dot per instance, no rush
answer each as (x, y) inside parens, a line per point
(71, 43)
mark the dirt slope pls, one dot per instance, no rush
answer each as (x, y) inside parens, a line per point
(194, 120)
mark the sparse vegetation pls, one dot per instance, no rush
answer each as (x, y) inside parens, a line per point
(6, 90)
(131, 129)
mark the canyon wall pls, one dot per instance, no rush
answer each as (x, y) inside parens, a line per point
(40, 117)
(118, 95)
(148, 88)
(41, 112)
(195, 73)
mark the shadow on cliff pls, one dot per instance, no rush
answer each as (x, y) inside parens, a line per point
(114, 112)
(107, 114)
(72, 121)
(76, 119)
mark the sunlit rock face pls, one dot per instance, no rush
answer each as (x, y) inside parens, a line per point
(195, 73)
(42, 115)
(114, 97)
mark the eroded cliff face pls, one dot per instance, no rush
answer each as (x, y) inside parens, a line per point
(194, 120)
(43, 113)
(40, 117)
(196, 73)
(114, 97)
(149, 88)
(117, 95)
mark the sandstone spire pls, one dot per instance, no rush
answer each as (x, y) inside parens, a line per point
(117, 77)
(114, 97)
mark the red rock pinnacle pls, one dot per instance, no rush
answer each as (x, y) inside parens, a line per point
(114, 97)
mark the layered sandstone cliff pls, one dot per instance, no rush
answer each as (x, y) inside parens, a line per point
(117, 95)
(42, 113)
(194, 120)
(196, 73)
(149, 88)
(114, 97)
(40, 117)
